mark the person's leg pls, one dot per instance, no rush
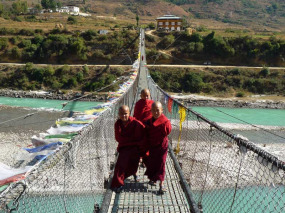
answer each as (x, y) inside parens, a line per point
(162, 189)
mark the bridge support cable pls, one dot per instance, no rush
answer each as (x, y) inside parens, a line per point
(224, 172)
(193, 206)
(109, 195)
(72, 179)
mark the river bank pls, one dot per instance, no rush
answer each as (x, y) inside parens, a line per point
(18, 125)
(71, 95)
(255, 101)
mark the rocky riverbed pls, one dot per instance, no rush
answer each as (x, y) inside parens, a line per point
(54, 95)
(190, 100)
(256, 101)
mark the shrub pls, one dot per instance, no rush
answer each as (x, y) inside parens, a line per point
(37, 39)
(72, 82)
(14, 40)
(28, 67)
(56, 85)
(17, 18)
(62, 71)
(192, 82)
(71, 20)
(49, 71)
(3, 43)
(6, 31)
(79, 77)
(16, 52)
(26, 32)
(39, 31)
(85, 70)
(240, 94)
(264, 72)
(25, 43)
(89, 34)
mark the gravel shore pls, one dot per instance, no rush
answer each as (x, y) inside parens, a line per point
(18, 125)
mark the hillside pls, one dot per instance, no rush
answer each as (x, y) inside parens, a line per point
(259, 15)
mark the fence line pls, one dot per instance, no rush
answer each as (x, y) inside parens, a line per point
(225, 173)
(73, 179)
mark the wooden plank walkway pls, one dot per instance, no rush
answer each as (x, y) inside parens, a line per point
(141, 197)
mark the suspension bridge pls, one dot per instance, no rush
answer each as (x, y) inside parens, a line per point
(208, 168)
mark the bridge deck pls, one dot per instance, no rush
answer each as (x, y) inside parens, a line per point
(141, 197)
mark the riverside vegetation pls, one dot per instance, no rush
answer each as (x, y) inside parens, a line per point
(217, 81)
(197, 48)
(78, 42)
(70, 47)
(80, 78)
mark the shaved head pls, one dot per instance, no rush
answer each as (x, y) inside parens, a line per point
(156, 104)
(145, 94)
(145, 91)
(156, 109)
(124, 113)
(124, 108)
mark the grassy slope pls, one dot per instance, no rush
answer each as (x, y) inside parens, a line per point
(253, 14)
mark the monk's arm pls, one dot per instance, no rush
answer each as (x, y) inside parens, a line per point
(117, 132)
(136, 111)
(167, 128)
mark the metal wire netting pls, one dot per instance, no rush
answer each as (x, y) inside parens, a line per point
(225, 172)
(73, 179)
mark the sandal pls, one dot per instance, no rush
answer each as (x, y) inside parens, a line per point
(162, 190)
(152, 183)
(118, 189)
(136, 178)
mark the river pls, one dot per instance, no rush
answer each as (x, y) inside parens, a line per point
(270, 122)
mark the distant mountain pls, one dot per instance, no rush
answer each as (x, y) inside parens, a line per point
(257, 14)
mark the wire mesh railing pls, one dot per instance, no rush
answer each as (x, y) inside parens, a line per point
(225, 173)
(72, 179)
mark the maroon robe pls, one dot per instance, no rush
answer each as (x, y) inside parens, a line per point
(143, 113)
(130, 138)
(157, 132)
(142, 110)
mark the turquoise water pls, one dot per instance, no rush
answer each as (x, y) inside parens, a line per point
(268, 117)
(47, 103)
(253, 199)
(59, 203)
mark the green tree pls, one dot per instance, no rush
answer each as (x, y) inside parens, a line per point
(71, 20)
(151, 25)
(16, 53)
(49, 4)
(89, 35)
(168, 40)
(264, 72)
(38, 8)
(192, 82)
(3, 43)
(79, 47)
(19, 7)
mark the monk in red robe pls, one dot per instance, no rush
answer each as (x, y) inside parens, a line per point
(129, 134)
(142, 110)
(142, 113)
(158, 128)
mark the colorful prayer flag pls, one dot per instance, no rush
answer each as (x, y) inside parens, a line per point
(169, 104)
